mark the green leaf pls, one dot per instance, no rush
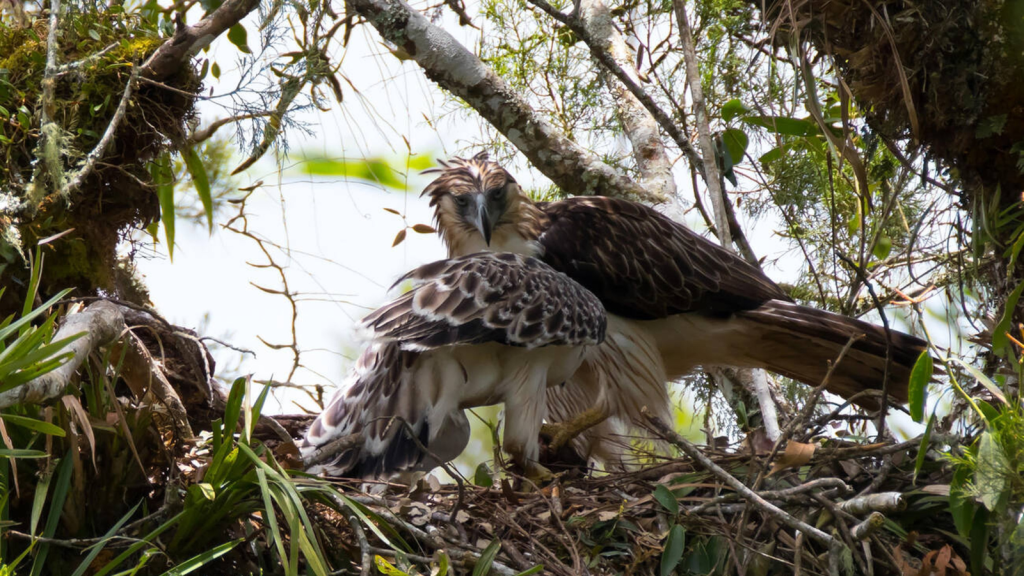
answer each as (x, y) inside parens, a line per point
(94, 35)
(732, 109)
(991, 126)
(482, 476)
(883, 247)
(922, 448)
(215, 70)
(160, 170)
(920, 376)
(87, 562)
(483, 565)
(984, 380)
(784, 125)
(673, 553)
(210, 5)
(736, 143)
(1000, 342)
(773, 155)
(233, 406)
(33, 424)
(201, 181)
(20, 453)
(442, 564)
(979, 542)
(134, 548)
(60, 493)
(385, 567)
(992, 475)
(238, 36)
(666, 498)
(531, 571)
(198, 561)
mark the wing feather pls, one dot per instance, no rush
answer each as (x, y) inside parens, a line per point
(643, 265)
(489, 297)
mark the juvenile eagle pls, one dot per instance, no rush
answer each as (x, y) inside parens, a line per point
(674, 299)
(473, 331)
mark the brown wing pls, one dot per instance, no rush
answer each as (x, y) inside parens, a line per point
(489, 297)
(643, 265)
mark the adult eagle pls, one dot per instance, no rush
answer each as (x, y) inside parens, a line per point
(473, 331)
(665, 288)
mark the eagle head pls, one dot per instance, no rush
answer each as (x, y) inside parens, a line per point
(475, 201)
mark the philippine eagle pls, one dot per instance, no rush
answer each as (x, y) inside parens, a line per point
(674, 299)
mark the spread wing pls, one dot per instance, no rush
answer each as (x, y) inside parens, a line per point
(408, 373)
(643, 265)
(489, 297)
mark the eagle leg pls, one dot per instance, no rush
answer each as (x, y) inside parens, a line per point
(561, 433)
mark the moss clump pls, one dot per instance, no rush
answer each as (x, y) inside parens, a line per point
(117, 196)
(961, 63)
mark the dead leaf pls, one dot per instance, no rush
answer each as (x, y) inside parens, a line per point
(423, 229)
(13, 461)
(937, 489)
(399, 237)
(75, 407)
(796, 455)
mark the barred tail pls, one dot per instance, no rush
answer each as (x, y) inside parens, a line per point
(800, 342)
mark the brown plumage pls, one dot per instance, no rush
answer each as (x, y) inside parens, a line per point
(697, 302)
(473, 331)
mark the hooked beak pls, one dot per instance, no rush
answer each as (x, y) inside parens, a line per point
(482, 219)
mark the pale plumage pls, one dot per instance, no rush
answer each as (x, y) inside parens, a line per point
(665, 288)
(473, 331)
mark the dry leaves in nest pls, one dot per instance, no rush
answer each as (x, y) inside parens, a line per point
(796, 455)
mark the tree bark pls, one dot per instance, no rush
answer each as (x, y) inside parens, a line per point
(639, 125)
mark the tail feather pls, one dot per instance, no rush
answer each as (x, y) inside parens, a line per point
(800, 342)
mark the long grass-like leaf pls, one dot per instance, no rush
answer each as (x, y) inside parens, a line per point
(21, 453)
(102, 544)
(198, 561)
(200, 180)
(134, 548)
(13, 327)
(60, 493)
(483, 565)
(270, 514)
(33, 424)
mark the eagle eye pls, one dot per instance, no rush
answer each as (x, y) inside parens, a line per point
(497, 193)
(461, 200)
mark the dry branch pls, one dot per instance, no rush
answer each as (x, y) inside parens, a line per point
(101, 323)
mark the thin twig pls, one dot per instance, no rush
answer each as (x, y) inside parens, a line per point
(723, 475)
(108, 136)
